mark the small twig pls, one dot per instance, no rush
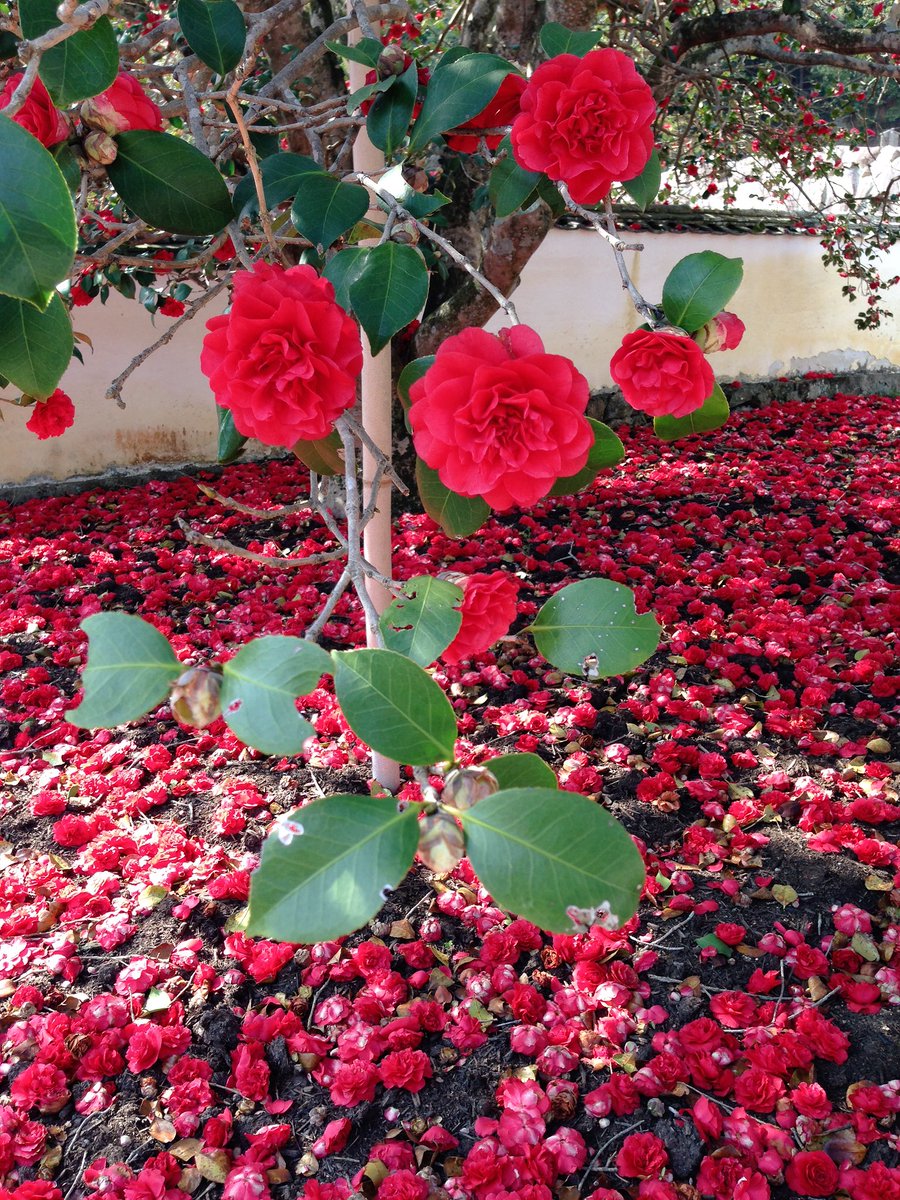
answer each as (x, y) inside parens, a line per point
(261, 514)
(605, 1146)
(196, 538)
(328, 608)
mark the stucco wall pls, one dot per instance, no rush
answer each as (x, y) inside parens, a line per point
(796, 321)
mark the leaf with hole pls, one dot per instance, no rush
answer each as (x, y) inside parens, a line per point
(457, 515)
(542, 853)
(260, 685)
(215, 30)
(35, 346)
(423, 622)
(699, 287)
(594, 618)
(394, 706)
(169, 184)
(130, 669)
(712, 415)
(324, 208)
(37, 218)
(329, 867)
(388, 291)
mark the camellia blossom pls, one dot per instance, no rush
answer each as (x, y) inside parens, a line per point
(663, 374)
(586, 122)
(498, 417)
(488, 609)
(52, 417)
(811, 1173)
(502, 110)
(286, 358)
(123, 106)
(38, 114)
(723, 332)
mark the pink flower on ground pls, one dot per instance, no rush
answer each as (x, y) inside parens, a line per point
(642, 1156)
(51, 417)
(498, 417)
(811, 1173)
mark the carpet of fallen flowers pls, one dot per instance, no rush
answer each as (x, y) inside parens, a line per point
(738, 1040)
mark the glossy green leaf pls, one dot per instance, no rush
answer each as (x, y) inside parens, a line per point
(342, 268)
(699, 287)
(169, 184)
(554, 858)
(411, 372)
(457, 515)
(324, 208)
(594, 619)
(329, 867)
(457, 91)
(367, 51)
(644, 187)
(388, 291)
(260, 685)
(9, 44)
(215, 30)
(37, 218)
(394, 706)
(81, 66)
(280, 175)
(417, 204)
(230, 442)
(713, 415)
(425, 621)
(388, 119)
(556, 39)
(324, 456)
(35, 346)
(522, 770)
(607, 451)
(130, 669)
(510, 185)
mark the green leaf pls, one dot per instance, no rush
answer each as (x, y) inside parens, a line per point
(230, 443)
(607, 451)
(594, 618)
(542, 854)
(81, 66)
(394, 706)
(643, 188)
(9, 44)
(324, 208)
(280, 175)
(388, 119)
(713, 415)
(717, 944)
(457, 515)
(342, 269)
(457, 91)
(556, 39)
(510, 185)
(130, 669)
(215, 31)
(368, 91)
(335, 875)
(367, 51)
(169, 184)
(260, 685)
(699, 287)
(65, 158)
(324, 456)
(37, 219)
(417, 204)
(425, 621)
(389, 291)
(35, 346)
(411, 372)
(522, 770)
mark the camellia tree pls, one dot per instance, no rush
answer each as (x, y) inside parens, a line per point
(163, 146)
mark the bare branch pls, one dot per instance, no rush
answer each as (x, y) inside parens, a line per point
(196, 538)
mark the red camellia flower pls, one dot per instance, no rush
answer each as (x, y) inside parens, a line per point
(663, 374)
(286, 357)
(38, 114)
(643, 1156)
(811, 1173)
(403, 1185)
(408, 1069)
(488, 609)
(723, 332)
(124, 105)
(587, 122)
(499, 418)
(51, 417)
(502, 110)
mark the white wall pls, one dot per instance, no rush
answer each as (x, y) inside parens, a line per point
(796, 321)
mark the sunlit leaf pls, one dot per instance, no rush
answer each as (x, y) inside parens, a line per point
(591, 628)
(130, 669)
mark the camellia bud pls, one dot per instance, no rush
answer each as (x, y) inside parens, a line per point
(415, 177)
(468, 785)
(100, 147)
(393, 60)
(441, 842)
(723, 332)
(406, 233)
(194, 698)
